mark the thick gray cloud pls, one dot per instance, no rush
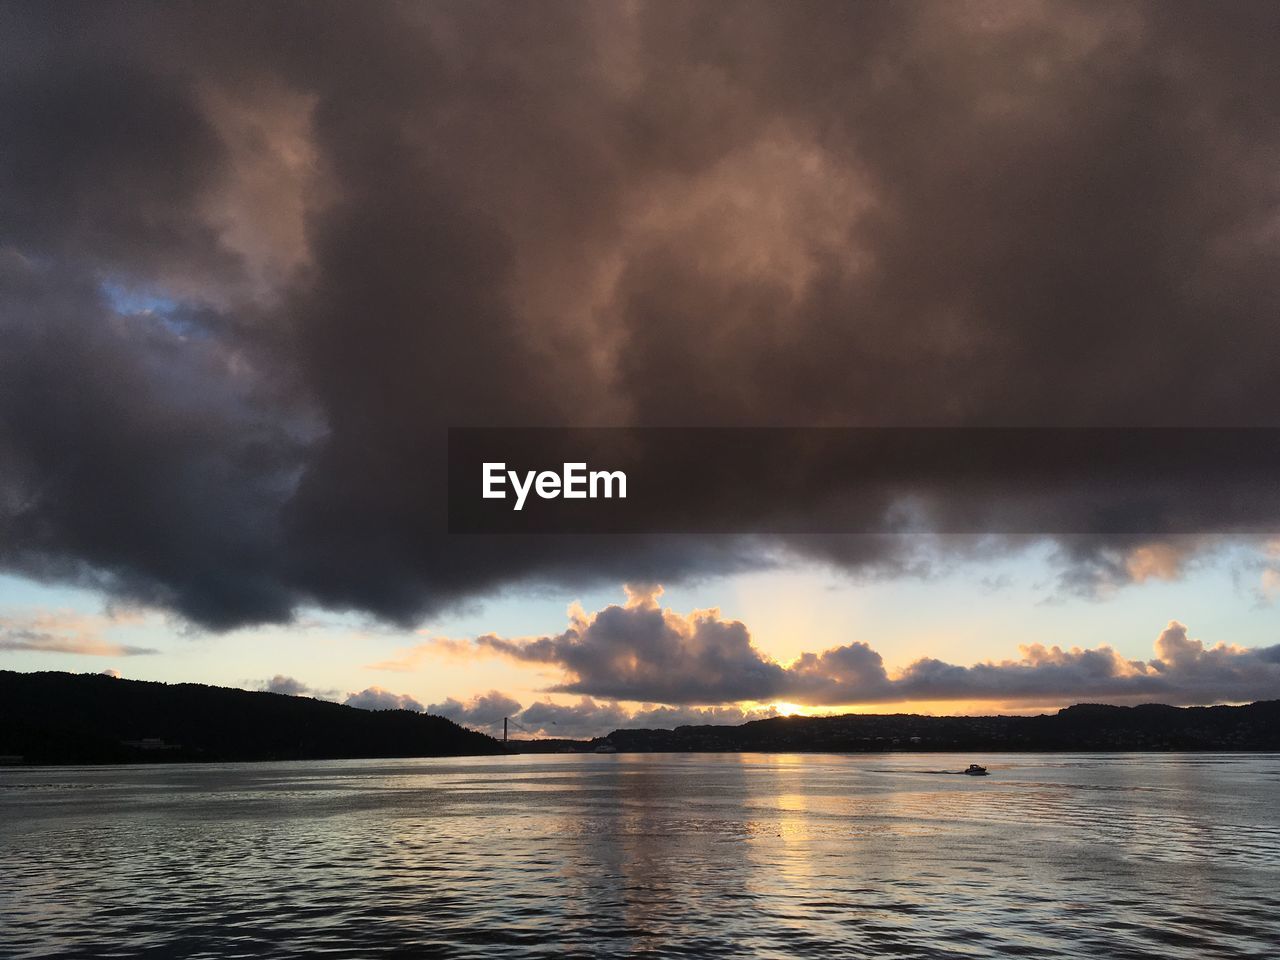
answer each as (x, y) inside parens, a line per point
(641, 652)
(664, 717)
(293, 687)
(485, 711)
(287, 685)
(254, 259)
(376, 698)
(592, 718)
(585, 717)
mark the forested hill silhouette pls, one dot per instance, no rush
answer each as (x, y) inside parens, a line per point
(51, 718)
(1088, 726)
(86, 718)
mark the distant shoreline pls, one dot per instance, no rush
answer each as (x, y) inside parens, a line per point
(65, 719)
(590, 754)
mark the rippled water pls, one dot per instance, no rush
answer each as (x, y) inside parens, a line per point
(646, 856)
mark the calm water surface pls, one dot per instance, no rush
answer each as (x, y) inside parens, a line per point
(646, 856)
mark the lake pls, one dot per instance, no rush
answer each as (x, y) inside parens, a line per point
(647, 855)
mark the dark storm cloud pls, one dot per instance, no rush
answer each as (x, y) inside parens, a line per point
(642, 652)
(362, 224)
(135, 457)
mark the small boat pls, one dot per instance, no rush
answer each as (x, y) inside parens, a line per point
(975, 771)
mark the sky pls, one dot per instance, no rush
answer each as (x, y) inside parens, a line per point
(255, 259)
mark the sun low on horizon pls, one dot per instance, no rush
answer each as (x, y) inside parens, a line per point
(865, 647)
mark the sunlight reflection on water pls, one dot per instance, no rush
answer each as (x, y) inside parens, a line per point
(646, 856)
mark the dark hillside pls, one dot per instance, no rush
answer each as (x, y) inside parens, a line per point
(87, 718)
(1092, 727)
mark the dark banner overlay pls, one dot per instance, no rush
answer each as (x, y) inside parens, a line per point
(864, 480)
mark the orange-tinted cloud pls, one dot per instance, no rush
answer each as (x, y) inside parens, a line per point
(63, 632)
(641, 652)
